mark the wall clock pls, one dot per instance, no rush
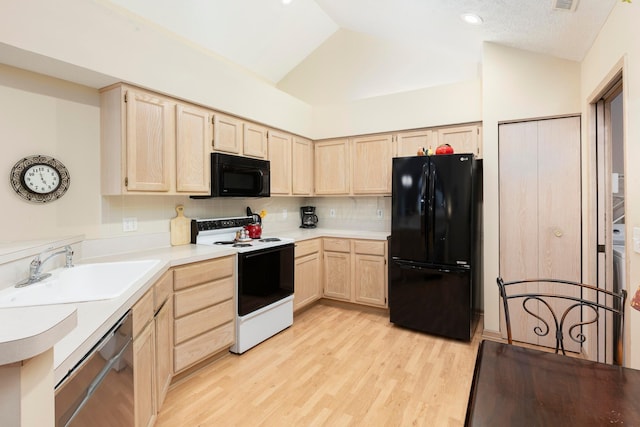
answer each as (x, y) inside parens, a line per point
(40, 179)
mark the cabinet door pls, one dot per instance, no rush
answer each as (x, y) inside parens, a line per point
(255, 141)
(331, 166)
(227, 134)
(193, 163)
(371, 173)
(302, 167)
(164, 350)
(150, 142)
(463, 139)
(370, 280)
(408, 143)
(337, 275)
(308, 287)
(280, 158)
(143, 377)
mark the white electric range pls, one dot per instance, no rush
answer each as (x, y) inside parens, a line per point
(264, 291)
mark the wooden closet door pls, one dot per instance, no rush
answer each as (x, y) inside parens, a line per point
(559, 198)
(540, 212)
(559, 213)
(518, 180)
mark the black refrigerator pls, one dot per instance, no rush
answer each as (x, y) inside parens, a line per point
(434, 268)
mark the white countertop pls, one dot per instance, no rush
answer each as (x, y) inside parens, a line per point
(95, 318)
(312, 233)
(29, 331)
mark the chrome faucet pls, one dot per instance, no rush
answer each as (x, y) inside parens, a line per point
(35, 268)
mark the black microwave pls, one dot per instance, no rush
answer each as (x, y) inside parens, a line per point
(236, 176)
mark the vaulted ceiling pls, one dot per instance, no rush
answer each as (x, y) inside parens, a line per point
(332, 51)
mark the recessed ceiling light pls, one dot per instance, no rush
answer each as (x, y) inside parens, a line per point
(471, 18)
(286, 1)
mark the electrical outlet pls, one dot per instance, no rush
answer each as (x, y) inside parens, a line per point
(380, 214)
(129, 224)
(284, 213)
(332, 213)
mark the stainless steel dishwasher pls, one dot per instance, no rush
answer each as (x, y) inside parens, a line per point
(98, 391)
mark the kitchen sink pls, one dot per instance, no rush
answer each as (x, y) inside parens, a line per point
(85, 282)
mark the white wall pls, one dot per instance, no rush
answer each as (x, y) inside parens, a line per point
(516, 85)
(99, 37)
(42, 115)
(351, 65)
(616, 42)
(433, 106)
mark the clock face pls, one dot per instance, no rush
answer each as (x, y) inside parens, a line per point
(40, 179)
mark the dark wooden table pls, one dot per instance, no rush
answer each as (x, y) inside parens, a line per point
(515, 386)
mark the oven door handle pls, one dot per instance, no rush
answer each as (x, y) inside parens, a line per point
(247, 255)
(98, 380)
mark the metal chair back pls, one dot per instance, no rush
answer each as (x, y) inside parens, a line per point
(588, 305)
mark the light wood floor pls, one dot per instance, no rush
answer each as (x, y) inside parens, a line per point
(335, 366)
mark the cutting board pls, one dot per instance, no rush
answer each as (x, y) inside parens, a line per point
(180, 228)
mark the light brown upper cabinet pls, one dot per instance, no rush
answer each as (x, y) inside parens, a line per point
(227, 134)
(371, 173)
(302, 166)
(151, 144)
(463, 139)
(409, 143)
(280, 158)
(137, 141)
(193, 160)
(291, 160)
(255, 141)
(332, 166)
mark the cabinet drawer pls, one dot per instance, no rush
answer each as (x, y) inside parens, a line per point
(202, 321)
(142, 312)
(203, 272)
(336, 245)
(369, 247)
(197, 349)
(199, 297)
(163, 289)
(307, 247)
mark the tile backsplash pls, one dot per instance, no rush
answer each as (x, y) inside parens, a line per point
(153, 213)
(353, 213)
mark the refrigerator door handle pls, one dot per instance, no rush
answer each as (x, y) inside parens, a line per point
(430, 215)
(424, 198)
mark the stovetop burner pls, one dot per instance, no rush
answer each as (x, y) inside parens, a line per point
(242, 245)
(224, 242)
(270, 239)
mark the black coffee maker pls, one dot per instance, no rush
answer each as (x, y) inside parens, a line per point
(308, 216)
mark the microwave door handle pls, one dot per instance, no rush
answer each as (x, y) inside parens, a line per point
(261, 180)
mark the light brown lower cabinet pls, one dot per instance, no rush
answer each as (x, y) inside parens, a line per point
(204, 320)
(370, 277)
(163, 307)
(355, 271)
(308, 273)
(143, 377)
(144, 351)
(337, 268)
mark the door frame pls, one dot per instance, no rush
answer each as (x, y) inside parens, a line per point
(597, 248)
